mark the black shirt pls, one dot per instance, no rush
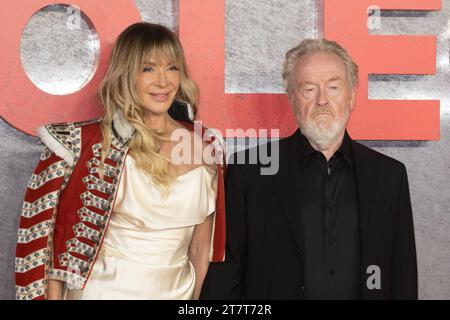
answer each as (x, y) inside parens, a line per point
(329, 206)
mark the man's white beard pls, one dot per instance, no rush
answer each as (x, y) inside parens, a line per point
(323, 134)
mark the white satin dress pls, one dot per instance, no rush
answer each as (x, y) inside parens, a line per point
(144, 254)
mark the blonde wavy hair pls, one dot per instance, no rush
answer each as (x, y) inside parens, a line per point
(117, 93)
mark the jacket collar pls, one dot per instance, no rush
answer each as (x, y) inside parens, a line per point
(371, 217)
(123, 130)
(287, 185)
(305, 150)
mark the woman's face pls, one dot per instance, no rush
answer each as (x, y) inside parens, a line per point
(157, 84)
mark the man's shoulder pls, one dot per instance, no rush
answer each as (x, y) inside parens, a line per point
(258, 159)
(362, 152)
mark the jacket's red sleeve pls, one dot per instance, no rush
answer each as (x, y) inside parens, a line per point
(34, 242)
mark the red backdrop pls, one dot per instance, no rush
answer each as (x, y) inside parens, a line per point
(202, 31)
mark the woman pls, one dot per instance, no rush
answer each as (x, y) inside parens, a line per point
(111, 212)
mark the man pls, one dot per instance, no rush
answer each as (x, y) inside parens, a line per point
(335, 221)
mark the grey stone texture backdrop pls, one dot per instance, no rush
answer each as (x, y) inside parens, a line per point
(258, 32)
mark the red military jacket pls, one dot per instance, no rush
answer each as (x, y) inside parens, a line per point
(67, 207)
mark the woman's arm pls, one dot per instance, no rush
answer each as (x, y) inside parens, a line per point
(55, 290)
(199, 250)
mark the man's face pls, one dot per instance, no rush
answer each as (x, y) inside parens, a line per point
(322, 98)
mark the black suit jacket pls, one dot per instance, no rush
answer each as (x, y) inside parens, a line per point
(264, 246)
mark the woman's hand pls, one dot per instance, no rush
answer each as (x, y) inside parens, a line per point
(55, 290)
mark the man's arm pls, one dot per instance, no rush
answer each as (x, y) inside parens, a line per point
(225, 280)
(404, 261)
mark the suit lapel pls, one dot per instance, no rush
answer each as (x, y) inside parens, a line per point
(367, 175)
(287, 186)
